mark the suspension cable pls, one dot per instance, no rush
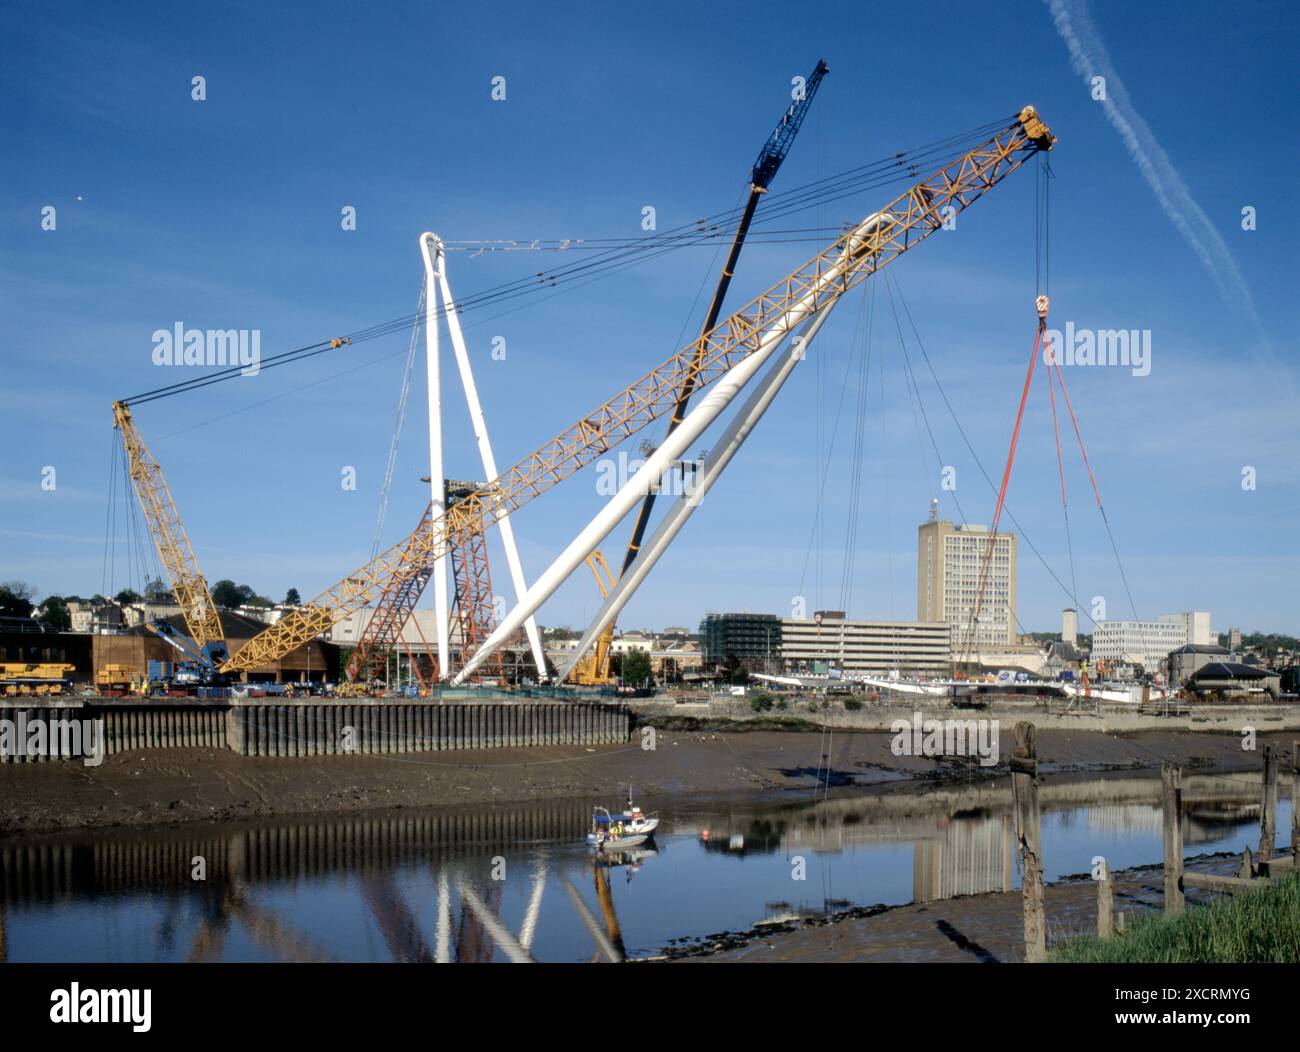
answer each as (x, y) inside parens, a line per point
(859, 443)
(1060, 467)
(1095, 491)
(986, 563)
(970, 448)
(900, 166)
(389, 468)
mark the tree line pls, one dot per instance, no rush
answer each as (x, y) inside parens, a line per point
(18, 600)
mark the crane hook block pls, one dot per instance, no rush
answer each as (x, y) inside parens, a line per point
(1034, 127)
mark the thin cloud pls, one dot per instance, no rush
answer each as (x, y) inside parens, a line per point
(1089, 58)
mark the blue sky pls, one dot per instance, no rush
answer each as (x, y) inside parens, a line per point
(226, 213)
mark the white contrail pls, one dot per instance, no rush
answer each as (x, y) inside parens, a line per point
(1089, 58)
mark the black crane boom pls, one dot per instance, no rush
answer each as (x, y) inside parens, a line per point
(778, 145)
(765, 169)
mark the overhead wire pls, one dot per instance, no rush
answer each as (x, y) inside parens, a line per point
(892, 286)
(1060, 467)
(391, 465)
(865, 332)
(1096, 491)
(899, 166)
(826, 464)
(110, 515)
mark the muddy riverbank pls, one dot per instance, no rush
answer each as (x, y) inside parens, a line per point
(166, 787)
(967, 929)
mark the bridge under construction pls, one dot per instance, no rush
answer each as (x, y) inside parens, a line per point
(734, 368)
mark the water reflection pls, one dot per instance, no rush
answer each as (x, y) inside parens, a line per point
(519, 883)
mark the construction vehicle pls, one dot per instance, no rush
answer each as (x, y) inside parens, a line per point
(197, 669)
(119, 679)
(35, 679)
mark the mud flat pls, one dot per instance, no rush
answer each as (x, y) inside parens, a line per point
(973, 929)
(165, 787)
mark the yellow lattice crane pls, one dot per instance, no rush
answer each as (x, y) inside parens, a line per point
(187, 582)
(592, 670)
(856, 255)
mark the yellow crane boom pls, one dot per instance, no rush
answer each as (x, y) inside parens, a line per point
(593, 669)
(905, 222)
(187, 582)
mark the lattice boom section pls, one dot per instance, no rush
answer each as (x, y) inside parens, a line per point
(173, 544)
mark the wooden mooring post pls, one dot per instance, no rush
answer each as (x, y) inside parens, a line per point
(1171, 779)
(1024, 791)
(1105, 903)
(1295, 801)
(1268, 808)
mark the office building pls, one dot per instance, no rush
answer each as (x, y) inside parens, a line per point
(872, 647)
(949, 561)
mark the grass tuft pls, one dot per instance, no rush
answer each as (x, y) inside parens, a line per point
(1260, 927)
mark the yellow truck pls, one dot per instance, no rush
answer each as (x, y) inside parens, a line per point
(35, 678)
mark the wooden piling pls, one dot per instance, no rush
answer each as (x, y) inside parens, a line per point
(1268, 808)
(1295, 800)
(1171, 779)
(1105, 903)
(1024, 789)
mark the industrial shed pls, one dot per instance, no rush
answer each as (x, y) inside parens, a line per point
(317, 660)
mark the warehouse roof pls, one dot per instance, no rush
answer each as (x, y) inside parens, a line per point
(1230, 670)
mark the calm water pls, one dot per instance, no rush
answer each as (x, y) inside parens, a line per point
(417, 885)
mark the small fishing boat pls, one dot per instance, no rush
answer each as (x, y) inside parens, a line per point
(609, 834)
(636, 821)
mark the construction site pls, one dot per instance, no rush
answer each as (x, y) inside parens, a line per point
(469, 748)
(742, 356)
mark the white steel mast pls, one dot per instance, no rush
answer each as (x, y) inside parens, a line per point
(435, 262)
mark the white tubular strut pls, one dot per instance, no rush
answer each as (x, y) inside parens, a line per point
(437, 474)
(822, 295)
(433, 245)
(738, 430)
